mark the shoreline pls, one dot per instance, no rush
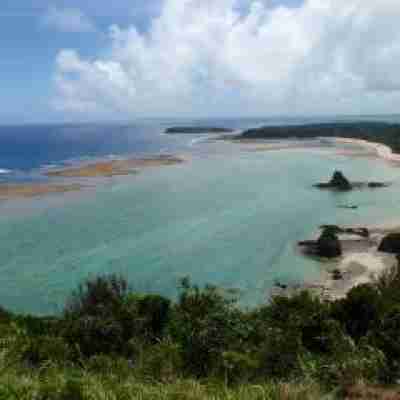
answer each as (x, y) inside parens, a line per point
(380, 150)
(361, 263)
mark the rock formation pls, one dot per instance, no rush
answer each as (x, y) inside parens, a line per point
(390, 244)
(337, 182)
(328, 244)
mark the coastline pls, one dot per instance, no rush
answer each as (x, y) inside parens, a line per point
(380, 150)
(360, 263)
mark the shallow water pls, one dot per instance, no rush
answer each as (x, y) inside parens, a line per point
(227, 217)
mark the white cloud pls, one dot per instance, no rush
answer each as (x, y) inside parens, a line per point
(67, 20)
(204, 57)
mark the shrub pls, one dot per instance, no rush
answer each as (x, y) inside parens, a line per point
(386, 338)
(109, 366)
(37, 350)
(94, 335)
(363, 363)
(360, 311)
(204, 324)
(152, 314)
(162, 362)
(239, 367)
(280, 354)
(294, 311)
(101, 296)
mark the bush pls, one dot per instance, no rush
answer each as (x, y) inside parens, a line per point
(109, 366)
(162, 362)
(152, 314)
(38, 350)
(94, 335)
(280, 354)
(205, 325)
(292, 311)
(386, 338)
(360, 311)
(101, 296)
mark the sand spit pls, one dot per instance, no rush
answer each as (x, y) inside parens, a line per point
(12, 191)
(115, 167)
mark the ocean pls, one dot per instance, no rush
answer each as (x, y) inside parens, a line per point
(227, 216)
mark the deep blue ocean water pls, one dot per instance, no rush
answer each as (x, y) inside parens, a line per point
(228, 216)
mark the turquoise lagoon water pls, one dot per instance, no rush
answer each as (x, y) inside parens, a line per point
(229, 219)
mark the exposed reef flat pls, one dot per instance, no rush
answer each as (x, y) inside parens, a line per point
(197, 129)
(11, 191)
(115, 167)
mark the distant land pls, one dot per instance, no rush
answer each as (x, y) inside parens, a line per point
(380, 132)
(197, 129)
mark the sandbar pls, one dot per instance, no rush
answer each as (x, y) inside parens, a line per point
(115, 167)
(25, 190)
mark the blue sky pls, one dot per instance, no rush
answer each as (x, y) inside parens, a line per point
(29, 49)
(62, 61)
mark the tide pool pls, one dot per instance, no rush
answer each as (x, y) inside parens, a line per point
(230, 219)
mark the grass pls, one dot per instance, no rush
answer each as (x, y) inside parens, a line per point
(56, 384)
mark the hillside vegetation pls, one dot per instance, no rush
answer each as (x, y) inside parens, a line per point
(111, 343)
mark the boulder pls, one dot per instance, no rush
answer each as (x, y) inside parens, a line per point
(337, 275)
(390, 244)
(328, 245)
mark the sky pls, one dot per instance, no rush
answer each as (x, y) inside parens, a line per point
(94, 60)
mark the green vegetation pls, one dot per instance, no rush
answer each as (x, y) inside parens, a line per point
(110, 343)
(380, 132)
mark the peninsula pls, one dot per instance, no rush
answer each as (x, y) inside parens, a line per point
(378, 132)
(197, 130)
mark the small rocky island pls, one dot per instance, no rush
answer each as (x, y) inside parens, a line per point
(327, 245)
(339, 182)
(197, 130)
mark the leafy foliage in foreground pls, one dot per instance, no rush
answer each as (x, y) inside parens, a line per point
(112, 343)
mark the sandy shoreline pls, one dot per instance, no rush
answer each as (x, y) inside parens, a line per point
(360, 263)
(378, 149)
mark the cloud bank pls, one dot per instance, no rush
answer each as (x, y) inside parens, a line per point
(231, 57)
(67, 20)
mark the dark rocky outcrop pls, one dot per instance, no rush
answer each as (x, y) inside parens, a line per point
(197, 129)
(328, 245)
(337, 275)
(337, 230)
(377, 185)
(390, 244)
(337, 182)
